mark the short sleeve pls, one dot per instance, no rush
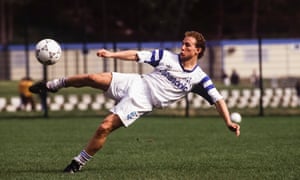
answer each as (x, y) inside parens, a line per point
(149, 57)
(207, 90)
(144, 56)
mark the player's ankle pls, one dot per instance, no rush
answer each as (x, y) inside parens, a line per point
(83, 157)
(56, 84)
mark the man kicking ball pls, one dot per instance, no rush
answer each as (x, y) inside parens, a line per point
(172, 78)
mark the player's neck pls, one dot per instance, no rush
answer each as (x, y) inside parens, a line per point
(189, 64)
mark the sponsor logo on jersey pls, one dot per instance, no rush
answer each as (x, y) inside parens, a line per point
(183, 84)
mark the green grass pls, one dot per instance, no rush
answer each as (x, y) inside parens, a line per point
(152, 148)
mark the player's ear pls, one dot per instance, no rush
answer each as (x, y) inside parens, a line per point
(199, 50)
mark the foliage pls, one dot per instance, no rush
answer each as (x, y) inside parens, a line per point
(154, 20)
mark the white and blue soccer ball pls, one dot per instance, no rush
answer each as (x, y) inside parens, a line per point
(48, 51)
(236, 117)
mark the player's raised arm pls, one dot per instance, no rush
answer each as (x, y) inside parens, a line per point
(130, 55)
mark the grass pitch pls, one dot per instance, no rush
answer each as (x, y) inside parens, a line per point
(152, 148)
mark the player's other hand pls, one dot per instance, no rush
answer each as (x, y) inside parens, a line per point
(234, 128)
(104, 53)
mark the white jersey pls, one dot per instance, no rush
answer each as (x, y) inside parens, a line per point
(170, 82)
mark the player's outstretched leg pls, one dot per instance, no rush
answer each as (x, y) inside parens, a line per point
(51, 86)
(99, 81)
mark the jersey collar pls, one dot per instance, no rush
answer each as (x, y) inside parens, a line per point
(186, 70)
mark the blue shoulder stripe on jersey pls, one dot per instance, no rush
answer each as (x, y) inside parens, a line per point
(160, 52)
(205, 79)
(209, 87)
(154, 62)
(203, 91)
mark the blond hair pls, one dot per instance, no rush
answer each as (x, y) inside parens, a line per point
(200, 40)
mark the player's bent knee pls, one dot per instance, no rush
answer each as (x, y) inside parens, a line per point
(104, 129)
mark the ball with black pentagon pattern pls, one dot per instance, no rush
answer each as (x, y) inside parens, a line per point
(48, 51)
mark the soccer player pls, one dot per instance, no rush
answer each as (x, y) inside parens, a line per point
(174, 76)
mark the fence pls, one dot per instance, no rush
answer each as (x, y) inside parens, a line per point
(74, 61)
(280, 60)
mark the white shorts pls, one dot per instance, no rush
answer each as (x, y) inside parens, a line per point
(132, 96)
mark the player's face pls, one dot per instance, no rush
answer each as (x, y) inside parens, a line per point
(189, 49)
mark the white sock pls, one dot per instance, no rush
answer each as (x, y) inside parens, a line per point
(56, 84)
(83, 157)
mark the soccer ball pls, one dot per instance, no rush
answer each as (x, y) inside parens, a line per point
(47, 51)
(236, 117)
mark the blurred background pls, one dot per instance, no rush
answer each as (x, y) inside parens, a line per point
(155, 20)
(253, 47)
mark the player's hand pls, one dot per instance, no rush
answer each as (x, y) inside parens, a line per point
(234, 128)
(104, 53)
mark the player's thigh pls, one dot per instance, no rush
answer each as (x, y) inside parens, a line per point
(100, 80)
